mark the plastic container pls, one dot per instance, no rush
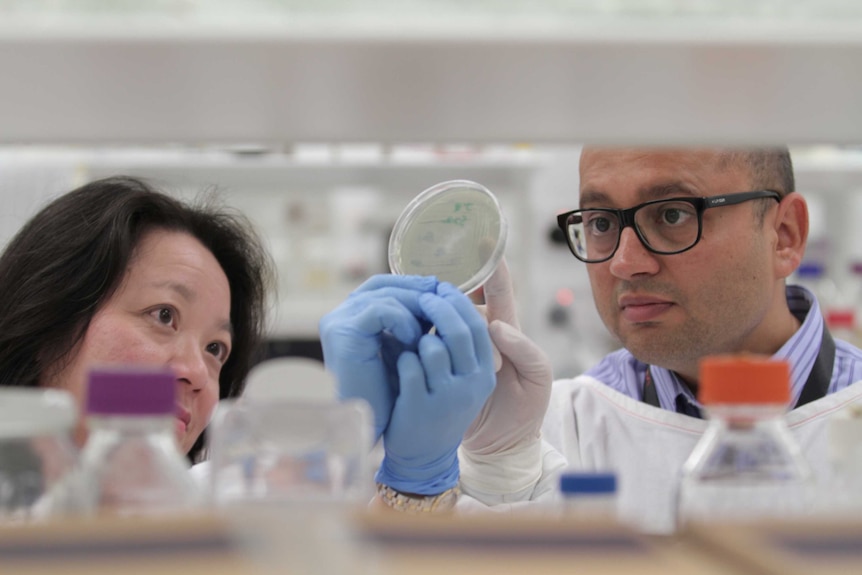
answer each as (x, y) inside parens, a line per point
(589, 495)
(131, 463)
(36, 449)
(747, 466)
(454, 230)
(293, 474)
(274, 451)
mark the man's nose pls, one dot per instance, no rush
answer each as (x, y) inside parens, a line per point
(632, 257)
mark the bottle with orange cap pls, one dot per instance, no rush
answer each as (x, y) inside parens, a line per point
(747, 466)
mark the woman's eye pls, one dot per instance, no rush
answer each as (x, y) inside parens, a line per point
(219, 350)
(166, 315)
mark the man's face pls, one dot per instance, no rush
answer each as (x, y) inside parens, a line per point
(670, 310)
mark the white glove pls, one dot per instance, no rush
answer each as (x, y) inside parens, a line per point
(501, 450)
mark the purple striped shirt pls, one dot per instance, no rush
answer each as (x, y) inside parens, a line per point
(622, 372)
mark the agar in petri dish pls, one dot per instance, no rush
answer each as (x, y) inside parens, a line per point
(454, 230)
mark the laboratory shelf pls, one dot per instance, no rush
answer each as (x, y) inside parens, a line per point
(675, 81)
(828, 171)
(276, 172)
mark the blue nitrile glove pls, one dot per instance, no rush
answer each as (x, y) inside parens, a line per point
(363, 337)
(442, 389)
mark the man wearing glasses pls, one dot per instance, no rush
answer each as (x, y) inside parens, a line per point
(687, 253)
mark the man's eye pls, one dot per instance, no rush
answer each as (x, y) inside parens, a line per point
(671, 216)
(676, 216)
(599, 224)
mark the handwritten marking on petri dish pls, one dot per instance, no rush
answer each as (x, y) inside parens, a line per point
(455, 220)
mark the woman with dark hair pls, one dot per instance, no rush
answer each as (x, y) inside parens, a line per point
(116, 272)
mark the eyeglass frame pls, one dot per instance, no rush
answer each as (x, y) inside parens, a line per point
(626, 218)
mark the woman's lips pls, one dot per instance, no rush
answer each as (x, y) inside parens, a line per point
(641, 309)
(183, 418)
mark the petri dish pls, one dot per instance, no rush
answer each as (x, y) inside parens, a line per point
(454, 230)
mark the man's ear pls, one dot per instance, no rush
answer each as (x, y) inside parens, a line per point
(791, 228)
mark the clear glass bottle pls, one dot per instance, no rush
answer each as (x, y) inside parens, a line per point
(132, 463)
(747, 466)
(589, 495)
(36, 450)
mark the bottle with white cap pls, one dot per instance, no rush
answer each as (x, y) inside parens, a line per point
(36, 449)
(132, 463)
(589, 495)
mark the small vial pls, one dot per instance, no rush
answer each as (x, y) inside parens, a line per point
(36, 451)
(589, 495)
(131, 463)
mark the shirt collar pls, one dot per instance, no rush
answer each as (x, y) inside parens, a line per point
(800, 350)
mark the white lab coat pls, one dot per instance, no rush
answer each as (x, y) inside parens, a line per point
(592, 427)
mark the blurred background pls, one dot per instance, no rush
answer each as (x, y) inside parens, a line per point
(322, 120)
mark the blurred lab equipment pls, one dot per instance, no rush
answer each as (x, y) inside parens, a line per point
(282, 450)
(454, 230)
(746, 466)
(132, 463)
(589, 495)
(298, 378)
(854, 295)
(845, 455)
(36, 449)
(288, 474)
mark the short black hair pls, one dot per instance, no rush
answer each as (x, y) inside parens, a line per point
(71, 257)
(769, 169)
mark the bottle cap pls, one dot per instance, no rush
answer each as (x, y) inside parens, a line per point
(744, 379)
(588, 483)
(130, 391)
(35, 411)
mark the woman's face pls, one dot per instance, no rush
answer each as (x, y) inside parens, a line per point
(172, 309)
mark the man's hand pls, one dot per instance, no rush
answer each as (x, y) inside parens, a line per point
(512, 416)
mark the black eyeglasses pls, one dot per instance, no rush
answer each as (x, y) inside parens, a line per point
(664, 227)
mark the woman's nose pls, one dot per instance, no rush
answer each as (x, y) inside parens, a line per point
(190, 366)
